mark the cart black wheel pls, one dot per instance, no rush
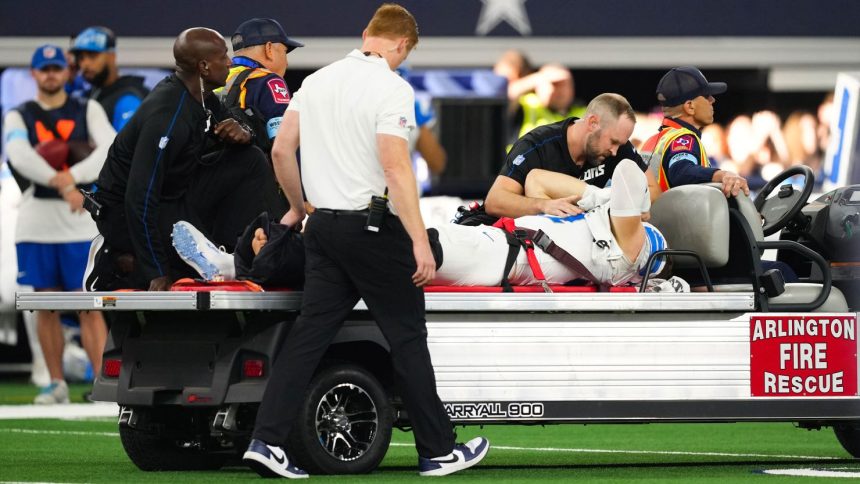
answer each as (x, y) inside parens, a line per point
(150, 451)
(344, 426)
(848, 435)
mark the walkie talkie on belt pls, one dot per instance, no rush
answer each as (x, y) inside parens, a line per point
(376, 212)
(92, 205)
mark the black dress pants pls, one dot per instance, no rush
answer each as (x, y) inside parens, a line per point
(344, 262)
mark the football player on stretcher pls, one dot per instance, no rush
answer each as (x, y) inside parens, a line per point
(608, 244)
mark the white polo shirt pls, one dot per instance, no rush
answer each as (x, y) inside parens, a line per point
(342, 107)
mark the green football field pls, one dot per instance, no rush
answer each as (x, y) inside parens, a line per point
(54, 450)
(89, 450)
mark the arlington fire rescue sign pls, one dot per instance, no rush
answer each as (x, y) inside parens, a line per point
(809, 356)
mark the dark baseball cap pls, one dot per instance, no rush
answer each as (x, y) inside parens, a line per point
(48, 55)
(684, 83)
(258, 31)
(94, 39)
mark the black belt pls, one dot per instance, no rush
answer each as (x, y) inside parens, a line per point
(328, 211)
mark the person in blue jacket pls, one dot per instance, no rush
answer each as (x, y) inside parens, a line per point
(95, 54)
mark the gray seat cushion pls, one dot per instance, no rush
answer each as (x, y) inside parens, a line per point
(694, 217)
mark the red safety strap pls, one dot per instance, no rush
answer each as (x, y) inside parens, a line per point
(507, 224)
(542, 240)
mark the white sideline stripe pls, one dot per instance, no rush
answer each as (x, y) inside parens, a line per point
(65, 411)
(652, 452)
(59, 432)
(814, 473)
(32, 482)
(496, 447)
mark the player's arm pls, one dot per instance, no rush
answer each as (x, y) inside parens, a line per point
(550, 185)
(102, 135)
(507, 196)
(400, 180)
(393, 123)
(20, 152)
(287, 167)
(686, 168)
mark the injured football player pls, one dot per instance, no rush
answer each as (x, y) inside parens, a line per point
(608, 244)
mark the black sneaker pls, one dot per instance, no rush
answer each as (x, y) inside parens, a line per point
(101, 273)
(271, 461)
(95, 262)
(462, 457)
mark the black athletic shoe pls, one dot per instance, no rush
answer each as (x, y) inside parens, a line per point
(98, 265)
(271, 461)
(462, 457)
(102, 272)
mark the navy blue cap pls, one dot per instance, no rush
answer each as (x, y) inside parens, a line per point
(95, 39)
(684, 83)
(258, 31)
(48, 55)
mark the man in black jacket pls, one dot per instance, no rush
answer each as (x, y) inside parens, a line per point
(178, 159)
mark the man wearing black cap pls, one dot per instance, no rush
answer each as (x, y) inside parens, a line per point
(675, 155)
(95, 54)
(256, 84)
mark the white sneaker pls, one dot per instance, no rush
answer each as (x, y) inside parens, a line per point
(271, 461)
(95, 247)
(212, 263)
(673, 284)
(462, 457)
(56, 392)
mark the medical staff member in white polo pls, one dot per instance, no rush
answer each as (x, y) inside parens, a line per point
(355, 116)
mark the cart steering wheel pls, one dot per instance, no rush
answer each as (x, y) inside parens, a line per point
(778, 211)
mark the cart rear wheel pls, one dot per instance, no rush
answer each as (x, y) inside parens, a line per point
(848, 435)
(345, 423)
(168, 443)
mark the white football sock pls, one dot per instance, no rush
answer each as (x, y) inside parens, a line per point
(629, 197)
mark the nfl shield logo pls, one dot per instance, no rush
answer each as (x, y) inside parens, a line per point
(402, 121)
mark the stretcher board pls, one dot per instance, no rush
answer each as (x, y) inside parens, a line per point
(435, 302)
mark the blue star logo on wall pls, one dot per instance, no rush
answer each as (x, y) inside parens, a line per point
(494, 12)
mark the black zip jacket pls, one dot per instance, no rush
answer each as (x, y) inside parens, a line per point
(151, 161)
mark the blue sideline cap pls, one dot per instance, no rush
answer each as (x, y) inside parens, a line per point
(258, 31)
(684, 83)
(95, 39)
(48, 55)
